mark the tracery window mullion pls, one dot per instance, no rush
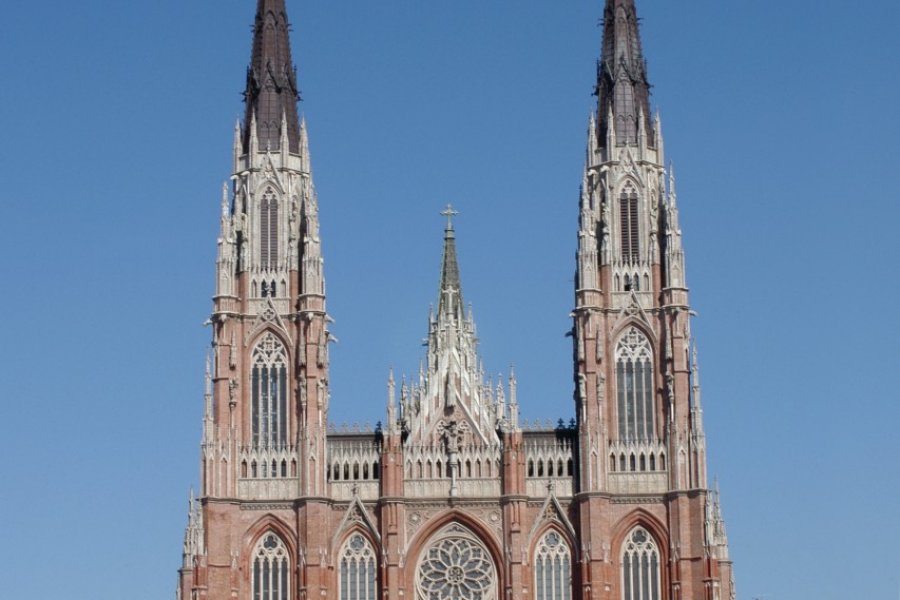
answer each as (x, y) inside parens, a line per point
(282, 408)
(649, 431)
(620, 392)
(639, 399)
(257, 584)
(539, 578)
(636, 577)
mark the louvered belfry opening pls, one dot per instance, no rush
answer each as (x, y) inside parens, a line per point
(268, 231)
(628, 216)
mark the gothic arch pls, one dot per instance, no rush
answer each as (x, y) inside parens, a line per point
(263, 525)
(356, 518)
(268, 391)
(640, 517)
(566, 568)
(475, 527)
(561, 529)
(267, 319)
(622, 326)
(264, 187)
(338, 552)
(632, 180)
(269, 181)
(345, 535)
(274, 329)
(559, 520)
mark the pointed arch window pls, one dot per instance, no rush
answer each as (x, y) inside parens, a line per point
(268, 385)
(628, 224)
(358, 575)
(626, 123)
(552, 568)
(640, 567)
(268, 230)
(634, 387)
(271, 569)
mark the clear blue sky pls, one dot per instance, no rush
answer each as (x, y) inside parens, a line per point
(116, 122)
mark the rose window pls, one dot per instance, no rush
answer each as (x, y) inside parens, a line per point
(456, 566)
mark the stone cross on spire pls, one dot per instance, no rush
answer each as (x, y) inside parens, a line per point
(449, 213)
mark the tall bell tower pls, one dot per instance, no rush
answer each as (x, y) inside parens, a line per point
(267, 389)
(642, 451)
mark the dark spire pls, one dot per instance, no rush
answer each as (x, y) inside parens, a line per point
(271, 92)
(450, 293)
(622, 87)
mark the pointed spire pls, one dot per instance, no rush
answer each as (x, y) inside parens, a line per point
(238, 145)
(623, 92)
(225, 199)
(696, 402)
(450, 293)
(304, 147)
(271, 80)
(672, 195)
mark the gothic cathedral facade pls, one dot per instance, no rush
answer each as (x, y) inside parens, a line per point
(454, 498)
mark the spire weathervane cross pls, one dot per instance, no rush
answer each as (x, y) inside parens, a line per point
(449, 213)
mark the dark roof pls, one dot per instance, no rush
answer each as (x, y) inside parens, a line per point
(622, 84)
(271, 92)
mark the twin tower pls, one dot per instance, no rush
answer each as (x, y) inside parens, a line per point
(453, 498)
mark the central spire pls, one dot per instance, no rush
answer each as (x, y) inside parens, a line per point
(623, 92)
(271, 94)
(450, 300)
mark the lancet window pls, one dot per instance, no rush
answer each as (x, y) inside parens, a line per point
(634, 387)
(626, 124)
(552, 568)
(268, 230)
(640, 567)
(628, 224)
(268, 385)
(456, 566)
(271, 569)
(358, 571)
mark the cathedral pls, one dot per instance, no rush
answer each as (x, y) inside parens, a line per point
(454, 497)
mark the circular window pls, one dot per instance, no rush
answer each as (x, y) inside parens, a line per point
(456, 566)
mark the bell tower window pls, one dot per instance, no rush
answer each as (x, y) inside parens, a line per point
(634, 387)
(268, 230)
(640, 567)
(268, 385)
(271, 569)
(628, 224)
